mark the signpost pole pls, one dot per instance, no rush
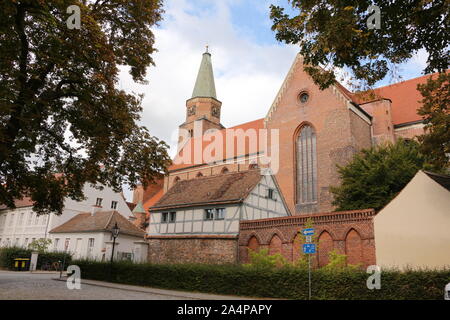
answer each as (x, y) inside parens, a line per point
(309, 275)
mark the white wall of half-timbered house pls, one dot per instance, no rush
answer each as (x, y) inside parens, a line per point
(193, 220)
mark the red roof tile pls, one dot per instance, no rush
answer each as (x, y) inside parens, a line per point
(256, 125)
(218, 189)
(404, 96)
(101, 221)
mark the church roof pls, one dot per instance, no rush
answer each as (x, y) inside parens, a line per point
(204, 85)
(204, 142)
(217, 189)
(404, 96)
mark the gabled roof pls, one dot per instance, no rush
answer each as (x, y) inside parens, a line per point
(442, 179)
(217, 189)
(204, 142)
(101, 221)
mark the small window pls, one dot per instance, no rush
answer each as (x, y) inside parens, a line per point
(98, 202)
(114, 205)
(220, 213)
(164, 217)
(172, 217)
(270, 194)
(215, 214)
(56, 243)
(91, 242)
(303, 97)
(209, 214)
(66, 244)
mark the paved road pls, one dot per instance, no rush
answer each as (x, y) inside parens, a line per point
(27, 286)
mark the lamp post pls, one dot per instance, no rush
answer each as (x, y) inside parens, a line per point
(115, 233)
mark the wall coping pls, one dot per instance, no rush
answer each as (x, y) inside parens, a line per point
(318, 218)
(193, 236)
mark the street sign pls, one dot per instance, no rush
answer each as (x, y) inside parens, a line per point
(309, 248)
(308, 232)
(308, 239)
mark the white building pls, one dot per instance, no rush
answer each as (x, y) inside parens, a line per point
(21, 226)
(89, 236)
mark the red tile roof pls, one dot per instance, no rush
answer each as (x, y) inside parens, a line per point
(203, 143)
(101, 221)
(153, 200)
(20, 203)
(218, 189)
(404, 96)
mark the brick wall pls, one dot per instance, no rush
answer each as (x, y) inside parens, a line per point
(349, 232)
(192, 249)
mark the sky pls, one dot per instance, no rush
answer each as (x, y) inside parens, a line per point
(249, 63)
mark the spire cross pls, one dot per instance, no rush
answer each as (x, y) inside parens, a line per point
(207, 47)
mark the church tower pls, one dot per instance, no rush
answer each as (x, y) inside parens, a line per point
(203, 108)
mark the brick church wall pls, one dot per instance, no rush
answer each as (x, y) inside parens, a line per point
(340, 134)
(212, 249)
(349, 232)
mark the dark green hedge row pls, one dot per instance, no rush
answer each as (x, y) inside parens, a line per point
(287, 283)
(8, 254)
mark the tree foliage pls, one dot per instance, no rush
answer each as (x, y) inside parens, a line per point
(60, 110)
(435, 142)
(376, 175)
(335, 33)
(40, 245)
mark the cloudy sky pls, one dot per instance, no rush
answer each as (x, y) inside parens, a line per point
(249, 64)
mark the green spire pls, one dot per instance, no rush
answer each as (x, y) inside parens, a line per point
(139, 208)
(204, 85)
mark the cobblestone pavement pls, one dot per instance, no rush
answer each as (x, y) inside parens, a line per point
(27, 286)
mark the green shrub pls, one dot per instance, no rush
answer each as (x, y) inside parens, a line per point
(8, 254)
(262, 260)
(284, 282)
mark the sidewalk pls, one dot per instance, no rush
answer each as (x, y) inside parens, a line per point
(172, 293)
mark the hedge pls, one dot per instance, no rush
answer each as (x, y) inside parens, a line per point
(8, 254)
(288, 283)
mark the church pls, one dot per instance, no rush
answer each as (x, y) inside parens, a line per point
(305, 134)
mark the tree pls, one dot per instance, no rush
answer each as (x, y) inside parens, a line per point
(376, 175)
(435, 110)
(63, 122)
(40, 245)
(336, 33)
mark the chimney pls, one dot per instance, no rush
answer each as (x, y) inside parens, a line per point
(94, 209)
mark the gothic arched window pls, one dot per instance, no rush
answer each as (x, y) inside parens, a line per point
(306, 166)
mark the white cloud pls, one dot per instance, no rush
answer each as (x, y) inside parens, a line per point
(247, 74)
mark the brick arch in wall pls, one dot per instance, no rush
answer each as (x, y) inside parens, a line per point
(326, 244)
(275, 245)
(353, 247)
(224, 170)
(253, 244)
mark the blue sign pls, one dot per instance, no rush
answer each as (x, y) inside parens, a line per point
(308, 232)
(309, 248)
